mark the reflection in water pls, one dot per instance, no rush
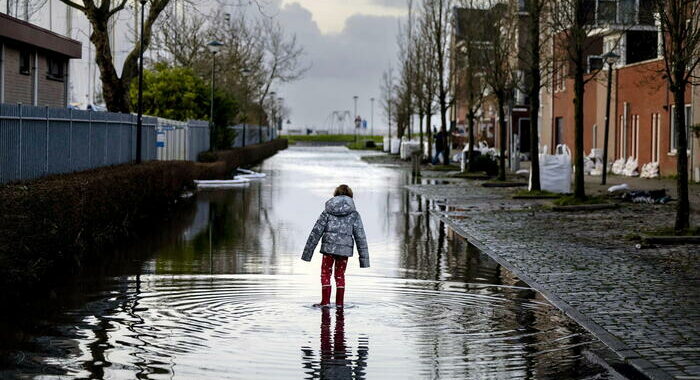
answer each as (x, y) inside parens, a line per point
(220, 292)
(336, 359)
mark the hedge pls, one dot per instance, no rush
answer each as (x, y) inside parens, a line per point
(49, 226)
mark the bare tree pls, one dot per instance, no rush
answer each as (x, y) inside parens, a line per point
(680, 28)
(437, 15)
(577, 29)
(499, 72)
(115, 88)
(387, 98)
(471, 38)
(281, 60)
(538, 64)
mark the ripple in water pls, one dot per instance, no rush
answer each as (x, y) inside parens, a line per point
(258, 326)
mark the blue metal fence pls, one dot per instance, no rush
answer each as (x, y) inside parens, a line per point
(248, 134)
(37, 141)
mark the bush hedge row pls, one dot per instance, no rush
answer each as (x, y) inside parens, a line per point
(50, 225)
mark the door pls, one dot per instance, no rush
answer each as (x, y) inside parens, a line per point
(524, 133)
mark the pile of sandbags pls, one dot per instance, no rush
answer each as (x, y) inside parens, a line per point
(408, 148)
(555, 170)
(630, 169)
(650, 170)
(618, 166)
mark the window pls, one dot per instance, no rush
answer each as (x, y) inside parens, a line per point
(688, 121)
(595, 63)
(54, 68)
(607, 11)
(24, 62)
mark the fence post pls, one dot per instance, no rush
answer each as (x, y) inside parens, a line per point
(46, 166)
(90, 140)
(70, 138)
(19, 112)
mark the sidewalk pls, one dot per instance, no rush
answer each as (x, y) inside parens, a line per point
(643, 303)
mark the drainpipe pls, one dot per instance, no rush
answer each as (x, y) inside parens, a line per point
(35, 89)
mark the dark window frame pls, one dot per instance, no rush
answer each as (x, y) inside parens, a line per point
(25, 62)
(55, 68)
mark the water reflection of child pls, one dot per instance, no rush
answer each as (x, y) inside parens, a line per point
(336, 358)
(339, 225)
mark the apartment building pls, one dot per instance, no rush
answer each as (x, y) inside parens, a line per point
(34, 64)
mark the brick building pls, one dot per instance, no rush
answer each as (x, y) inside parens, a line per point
(518, 112)
(641, 124)
(34, 64)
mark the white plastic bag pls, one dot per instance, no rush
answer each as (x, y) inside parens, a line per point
(630, 169)
(387, 144)
(395, 145)
(555, 171)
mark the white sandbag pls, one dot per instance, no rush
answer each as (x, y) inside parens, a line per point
(395, 145)
(408, 148)
(588, 165)
(598, 170)
(555, 171)
(630, 169)
(650, 170)
(618, 166)
(386, 146)
(620, 187)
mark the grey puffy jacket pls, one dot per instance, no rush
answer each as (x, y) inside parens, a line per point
(338, 224)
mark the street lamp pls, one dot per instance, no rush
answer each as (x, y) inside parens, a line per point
(214, 47)
(280, 105)
(272, 113)
(139, 117)
(611, 59)
(371, 120)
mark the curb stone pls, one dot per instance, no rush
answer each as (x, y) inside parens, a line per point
(651, 370)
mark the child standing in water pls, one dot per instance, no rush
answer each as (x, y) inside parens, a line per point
(338, 225)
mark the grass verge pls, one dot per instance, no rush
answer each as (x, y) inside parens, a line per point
(570, 200)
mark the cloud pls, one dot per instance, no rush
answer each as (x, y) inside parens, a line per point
(344, 64)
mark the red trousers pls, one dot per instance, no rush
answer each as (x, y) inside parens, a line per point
(340, 263)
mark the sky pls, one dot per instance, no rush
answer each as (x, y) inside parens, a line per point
(348, 44)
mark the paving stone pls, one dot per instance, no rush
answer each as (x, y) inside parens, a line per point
(648, 299)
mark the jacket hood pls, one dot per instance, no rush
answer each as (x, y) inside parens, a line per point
(340, 205)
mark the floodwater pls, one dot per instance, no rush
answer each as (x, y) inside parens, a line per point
(219, 292)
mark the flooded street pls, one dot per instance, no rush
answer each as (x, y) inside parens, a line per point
(220, 292)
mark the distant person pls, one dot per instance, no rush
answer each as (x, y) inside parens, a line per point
(338, 225)
(440, 146)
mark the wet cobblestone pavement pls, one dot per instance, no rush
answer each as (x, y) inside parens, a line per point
(642, 303)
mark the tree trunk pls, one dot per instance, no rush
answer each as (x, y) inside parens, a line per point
(470, 155)
(683, 206)
(579, 184)
(114, 89)
(501, 98)
(535, 84)
(443, 123)
(420, 129)
(429, 116)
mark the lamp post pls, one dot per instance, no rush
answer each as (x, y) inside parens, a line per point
(371, 119)
(214, 47)
(139, 116)
(280, 105)
(611, 59)
(272, 114)
(354, 98)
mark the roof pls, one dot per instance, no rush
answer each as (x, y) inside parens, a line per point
(24, 32)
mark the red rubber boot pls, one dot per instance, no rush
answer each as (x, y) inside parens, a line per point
(325, 295)
(339, 297)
